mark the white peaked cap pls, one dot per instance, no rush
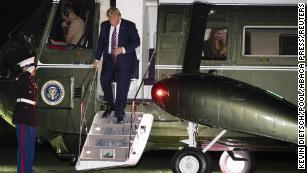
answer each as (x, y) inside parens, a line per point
(27, 62)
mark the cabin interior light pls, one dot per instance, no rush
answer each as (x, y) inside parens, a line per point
(211, 12)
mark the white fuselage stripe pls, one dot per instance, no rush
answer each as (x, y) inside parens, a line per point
(268, 68)
(65, 66)
(235, 2)
(179, 67)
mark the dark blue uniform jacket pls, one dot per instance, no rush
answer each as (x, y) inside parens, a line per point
(26, 87)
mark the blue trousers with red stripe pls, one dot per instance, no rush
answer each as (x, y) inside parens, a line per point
(26, 147)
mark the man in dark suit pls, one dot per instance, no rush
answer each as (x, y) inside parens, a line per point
(117, 42)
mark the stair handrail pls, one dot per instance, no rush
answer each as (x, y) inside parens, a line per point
(133, 109)
(83, 109)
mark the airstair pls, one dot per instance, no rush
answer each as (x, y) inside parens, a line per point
(109, 144)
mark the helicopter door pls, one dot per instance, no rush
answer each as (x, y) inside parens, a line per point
(64, 70)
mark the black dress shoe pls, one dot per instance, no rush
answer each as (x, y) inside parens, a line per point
(120, 120)
(108, 110)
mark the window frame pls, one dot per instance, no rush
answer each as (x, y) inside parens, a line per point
(70, 50)
(91, 18)
(264, 27)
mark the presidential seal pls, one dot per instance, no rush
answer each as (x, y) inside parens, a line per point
(53, 92)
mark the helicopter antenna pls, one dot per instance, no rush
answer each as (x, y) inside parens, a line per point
(197, 28)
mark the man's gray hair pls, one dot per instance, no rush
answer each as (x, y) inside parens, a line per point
(113, 11)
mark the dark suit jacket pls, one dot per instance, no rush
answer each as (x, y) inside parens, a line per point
(128, 38)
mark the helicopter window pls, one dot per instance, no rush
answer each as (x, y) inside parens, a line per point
(215, 44)
(29, 31)
(270, 41)
(72, 24)
(32, 28)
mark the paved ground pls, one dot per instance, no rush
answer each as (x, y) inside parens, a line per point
(151, 162)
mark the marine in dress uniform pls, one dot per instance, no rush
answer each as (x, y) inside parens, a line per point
(24, 115)
(117, 42)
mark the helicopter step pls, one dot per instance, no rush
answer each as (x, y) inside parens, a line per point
(109, 144)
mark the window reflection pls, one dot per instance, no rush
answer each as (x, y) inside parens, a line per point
(270, 41)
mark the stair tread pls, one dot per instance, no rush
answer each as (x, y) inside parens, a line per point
(115, 160)
(100, 140)
(104, 153)
(104, 147)
(113, 120)
(110, 136)
(98, 129)
(114, 125)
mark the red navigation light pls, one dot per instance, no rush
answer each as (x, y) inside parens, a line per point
(159, 93)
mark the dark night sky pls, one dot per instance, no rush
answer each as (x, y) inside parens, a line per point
(13, 12)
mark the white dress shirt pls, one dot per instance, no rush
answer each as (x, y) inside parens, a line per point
(110, 36)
